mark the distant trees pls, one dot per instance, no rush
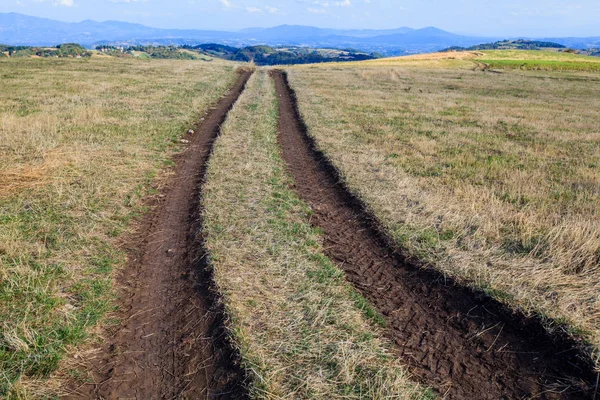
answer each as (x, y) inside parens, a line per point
(61, 51)
(163, 52)
(266, 55)
(520, 44)
(261, 55)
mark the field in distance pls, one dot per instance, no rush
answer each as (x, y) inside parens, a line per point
(541, 60)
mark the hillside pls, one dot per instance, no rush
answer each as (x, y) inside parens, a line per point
(266, 55)
(519, 44)
(259, 55)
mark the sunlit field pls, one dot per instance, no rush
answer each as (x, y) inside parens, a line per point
(491, 177)
(81, 142)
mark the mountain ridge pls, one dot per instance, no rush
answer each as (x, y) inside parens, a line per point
(21, 29)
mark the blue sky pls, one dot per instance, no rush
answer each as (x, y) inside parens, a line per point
(484, 17)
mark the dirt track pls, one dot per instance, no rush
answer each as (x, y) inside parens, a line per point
(462, 343)
(170, 344)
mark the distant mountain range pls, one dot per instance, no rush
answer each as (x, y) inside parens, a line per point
(19, 29)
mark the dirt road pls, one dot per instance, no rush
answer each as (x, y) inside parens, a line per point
(171, 343)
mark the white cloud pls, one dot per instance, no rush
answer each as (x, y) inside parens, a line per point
(316, 10)
(254, 10)
(63, 3)
(226, 3)
(344, 3)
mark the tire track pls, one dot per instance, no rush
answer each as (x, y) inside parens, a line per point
(171, 343)
(463, 343)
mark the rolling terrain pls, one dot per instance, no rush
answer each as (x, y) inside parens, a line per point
(19, 29)
(414, 228)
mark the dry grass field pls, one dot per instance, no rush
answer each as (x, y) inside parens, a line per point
(81, 142)
(489, 177)
(503, 59)
(302, 330)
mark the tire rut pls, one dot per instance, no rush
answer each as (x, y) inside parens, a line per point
(460, 342)
(171, 343)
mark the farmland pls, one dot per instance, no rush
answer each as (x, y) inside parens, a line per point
(409, 228)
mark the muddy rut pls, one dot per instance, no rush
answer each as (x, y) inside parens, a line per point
(462, 343)
(171, 343)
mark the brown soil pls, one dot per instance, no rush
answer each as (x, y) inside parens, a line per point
(171, 343)
(462, 343)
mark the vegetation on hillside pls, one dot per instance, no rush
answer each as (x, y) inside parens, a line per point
(153, 52)
(60, 51)
(266, 55)
(520, 44)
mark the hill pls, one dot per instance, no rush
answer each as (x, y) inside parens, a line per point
(520, 44)
(266, 55)
(60, 51)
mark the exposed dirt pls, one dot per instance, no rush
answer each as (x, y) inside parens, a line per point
(462, 343)
(171, 343)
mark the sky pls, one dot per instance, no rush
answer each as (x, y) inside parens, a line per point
(535, 18)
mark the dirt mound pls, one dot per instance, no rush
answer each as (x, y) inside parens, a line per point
(464, 344)
(171, 343)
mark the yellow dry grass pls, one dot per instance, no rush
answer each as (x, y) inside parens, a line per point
(81, 142)
(491, 178)
(451, 55)
(301, 329)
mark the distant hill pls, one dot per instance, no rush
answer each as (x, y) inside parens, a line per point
(520, 44)
(260, 54)
(19, 29)
(60, 51)
(266, 55)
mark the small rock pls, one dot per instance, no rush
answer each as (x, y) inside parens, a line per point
(184, 141)
(190, 132)
(170, 252)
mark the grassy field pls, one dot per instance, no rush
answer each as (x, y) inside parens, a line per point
(302, 330)
(498, 59)
(539, 60)
(537, 55)
(81, 142)
(491, 178)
